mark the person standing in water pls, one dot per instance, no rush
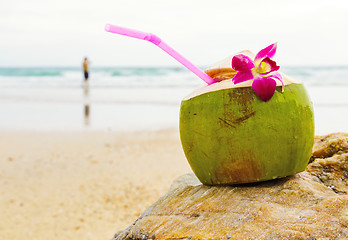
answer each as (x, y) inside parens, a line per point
(85, 66)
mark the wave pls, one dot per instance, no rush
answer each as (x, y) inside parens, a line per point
(110, 71)
(144, 77)
(29, 72)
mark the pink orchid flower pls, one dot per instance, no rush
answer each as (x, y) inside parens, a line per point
(262, 71)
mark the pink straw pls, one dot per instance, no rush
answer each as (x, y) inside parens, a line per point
(158, 42)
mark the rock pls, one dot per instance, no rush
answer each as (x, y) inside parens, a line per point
(309, 205)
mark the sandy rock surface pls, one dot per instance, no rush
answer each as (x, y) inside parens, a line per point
(309, 205)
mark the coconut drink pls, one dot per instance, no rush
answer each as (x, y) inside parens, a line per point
(253, 125)
(249, 124)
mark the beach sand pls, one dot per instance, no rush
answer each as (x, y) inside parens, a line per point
(82, 185)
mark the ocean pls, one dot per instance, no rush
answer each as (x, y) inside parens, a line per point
(137, 98)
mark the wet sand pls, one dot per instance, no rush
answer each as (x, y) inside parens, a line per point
(82, 185)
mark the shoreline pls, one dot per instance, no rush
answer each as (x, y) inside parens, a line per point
(133, 109)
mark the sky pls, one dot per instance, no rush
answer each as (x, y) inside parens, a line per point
(62, 32)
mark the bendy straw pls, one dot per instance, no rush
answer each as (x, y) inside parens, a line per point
(158, 42)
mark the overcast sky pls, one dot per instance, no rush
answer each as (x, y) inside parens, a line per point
(62, 32)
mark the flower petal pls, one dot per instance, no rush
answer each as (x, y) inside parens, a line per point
(241, 62)
(266, 52)
(242, 76)
(266, 66)
(264, 87)
(278, 77)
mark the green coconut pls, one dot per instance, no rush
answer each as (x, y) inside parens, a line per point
(230, 136)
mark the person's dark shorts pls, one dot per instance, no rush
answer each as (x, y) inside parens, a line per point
(86, 75)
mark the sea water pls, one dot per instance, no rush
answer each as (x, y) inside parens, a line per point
(137, 98)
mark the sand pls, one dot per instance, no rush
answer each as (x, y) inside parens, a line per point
(82, 185)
